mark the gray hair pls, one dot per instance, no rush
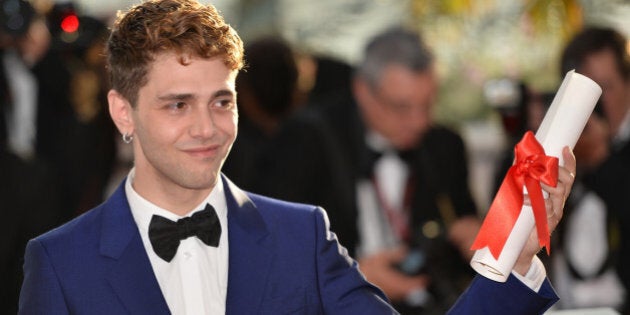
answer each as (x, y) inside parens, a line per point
(395, 46)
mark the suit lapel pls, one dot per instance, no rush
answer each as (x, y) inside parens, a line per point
(131, 275)
(250, 253)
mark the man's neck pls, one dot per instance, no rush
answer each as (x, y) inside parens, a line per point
(170, 197)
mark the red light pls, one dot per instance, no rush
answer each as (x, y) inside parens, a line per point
(70, 23)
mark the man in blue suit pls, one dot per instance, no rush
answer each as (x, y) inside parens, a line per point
(173, 65)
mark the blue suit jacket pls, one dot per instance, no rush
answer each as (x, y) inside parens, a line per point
(283, 260)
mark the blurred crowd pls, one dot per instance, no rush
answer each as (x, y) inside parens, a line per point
(57, 142)
(359, 140)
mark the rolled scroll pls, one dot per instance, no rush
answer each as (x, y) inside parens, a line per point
(571, 107)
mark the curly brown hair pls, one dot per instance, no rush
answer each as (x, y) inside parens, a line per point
(185, 27)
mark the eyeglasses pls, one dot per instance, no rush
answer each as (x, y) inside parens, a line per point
(401, 108)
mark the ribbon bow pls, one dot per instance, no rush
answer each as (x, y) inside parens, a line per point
(531, 167)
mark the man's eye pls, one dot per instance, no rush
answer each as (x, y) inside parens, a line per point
(226, 103)
(177, 105)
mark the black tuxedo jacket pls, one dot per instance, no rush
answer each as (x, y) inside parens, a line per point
(29, 207)
(611, 181)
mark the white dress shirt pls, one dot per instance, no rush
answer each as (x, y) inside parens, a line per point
(195, 281)
(623, 134)
(21, 119)
(376, 231)
(586, 249)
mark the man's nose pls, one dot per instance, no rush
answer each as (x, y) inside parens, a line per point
(203, 124)
(417, 119)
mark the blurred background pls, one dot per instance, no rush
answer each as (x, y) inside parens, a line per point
(477, 44)
(60, 154)
(493, 57)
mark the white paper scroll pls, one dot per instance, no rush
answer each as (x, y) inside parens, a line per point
(562, 126)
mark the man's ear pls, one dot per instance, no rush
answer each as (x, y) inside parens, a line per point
(361, 91)
(120, 110)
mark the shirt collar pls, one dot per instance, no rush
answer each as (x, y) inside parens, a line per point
(623, 134)
(143, 210)
(377, 142)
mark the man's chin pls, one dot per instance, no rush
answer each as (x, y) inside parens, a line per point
(406, 145)
(201, 183)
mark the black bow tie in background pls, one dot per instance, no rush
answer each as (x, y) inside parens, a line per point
(371, 156)
(165, 234)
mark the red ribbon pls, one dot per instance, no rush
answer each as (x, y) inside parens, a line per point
(531, 167)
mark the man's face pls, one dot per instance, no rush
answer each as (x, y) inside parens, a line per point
(400, 107)
(615, 98)
(184, 125)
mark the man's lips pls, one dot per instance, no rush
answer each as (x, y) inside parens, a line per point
(203, 152)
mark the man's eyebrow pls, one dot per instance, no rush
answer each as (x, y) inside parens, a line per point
(224, 92)
(188, 96)
(175, 96)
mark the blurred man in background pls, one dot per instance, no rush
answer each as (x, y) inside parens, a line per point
(52, 90)
(413, 211)
(283, 150)
(56, 138)
(28, 190)
(604, 149)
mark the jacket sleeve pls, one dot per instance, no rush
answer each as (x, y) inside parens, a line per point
(343, 289)
(488, 297)
(41, 292)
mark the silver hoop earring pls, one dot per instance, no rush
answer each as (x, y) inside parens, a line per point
(127, 138)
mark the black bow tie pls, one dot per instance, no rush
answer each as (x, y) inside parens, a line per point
(165, 234)
(371, 156)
